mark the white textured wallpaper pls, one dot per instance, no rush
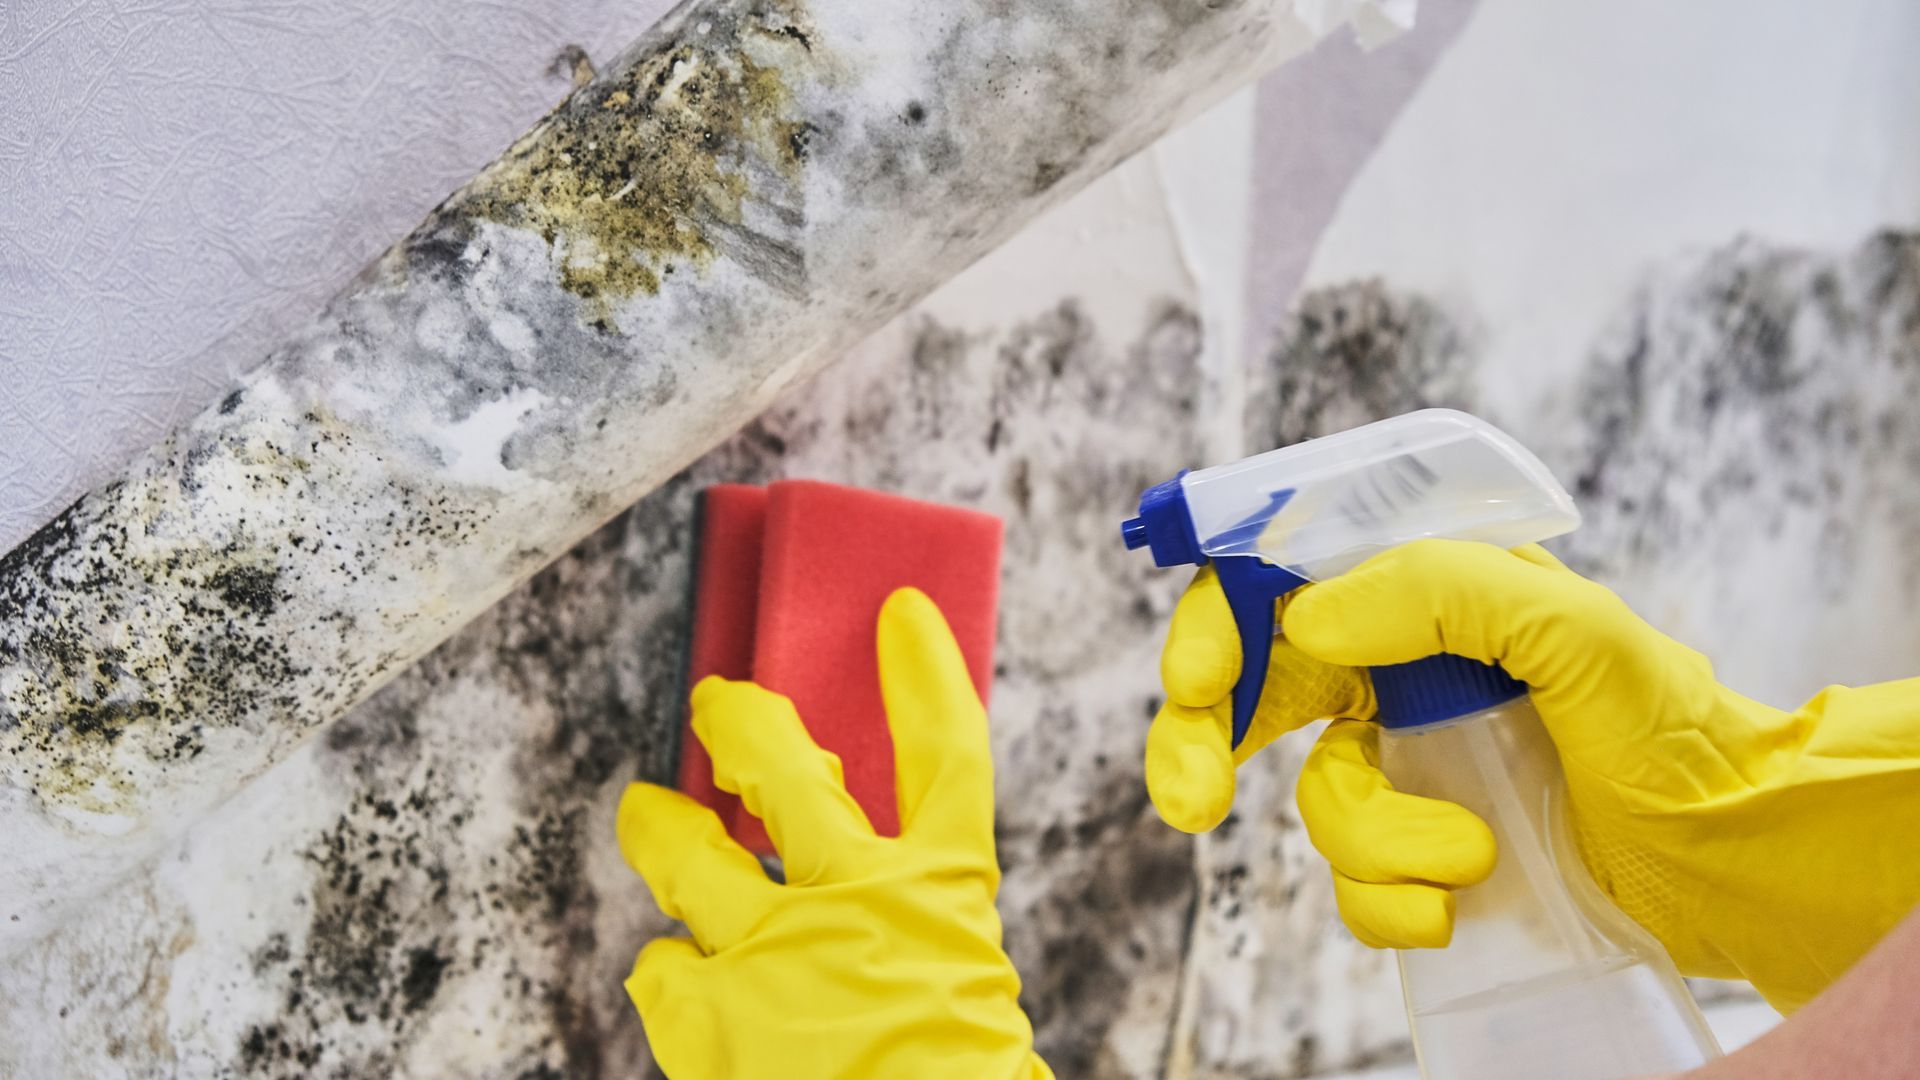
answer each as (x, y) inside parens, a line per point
(181, 182)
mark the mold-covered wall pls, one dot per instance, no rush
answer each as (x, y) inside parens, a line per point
(748, 189)
(430, 887)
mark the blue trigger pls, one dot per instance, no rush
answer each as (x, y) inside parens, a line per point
(1165, 527)
(1252, 586)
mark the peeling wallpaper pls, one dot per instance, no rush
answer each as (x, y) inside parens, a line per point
(748, 189)
(214, 173)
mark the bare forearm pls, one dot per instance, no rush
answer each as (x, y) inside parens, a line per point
(1865, 1026)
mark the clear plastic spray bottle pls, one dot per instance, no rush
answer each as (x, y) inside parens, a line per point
(1544, 977)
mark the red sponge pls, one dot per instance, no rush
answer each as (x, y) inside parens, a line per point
(726, 599)
(824, 558)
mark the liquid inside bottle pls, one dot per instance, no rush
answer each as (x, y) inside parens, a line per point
(1544, 976)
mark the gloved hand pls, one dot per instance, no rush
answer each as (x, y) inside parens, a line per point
(1754, 843)
(880, 956)
(1190, 756)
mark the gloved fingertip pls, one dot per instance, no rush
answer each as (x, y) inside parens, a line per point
(1398, 916)
(1428, 840)
(1199, 671)
(1191, 809)
(1363, 933)
(1474, 853)
(908, 603)
(1189, 768)
(637, 804)
(1315, 621)
(706, 690)
(1539, 556)
(683, 1026)
(655, 826)
(1193, 792)
(920, 660)
(1427, 921)
(721, 705)
(662, 962)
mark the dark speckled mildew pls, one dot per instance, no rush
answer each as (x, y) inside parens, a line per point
(1353, 353)
(492, 389)
(118, 629)
(587, 655)
(1782, 388)
(374, 956)
(406, 898)
(59, 729)
(1123, 883)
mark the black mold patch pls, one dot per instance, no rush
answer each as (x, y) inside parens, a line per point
(250, 589)
(407, 899)
(1119, 888)
(1764, 385)
(138, 634)
(372, 958)
(1046, 117)
(1351, 354)
(425, 966)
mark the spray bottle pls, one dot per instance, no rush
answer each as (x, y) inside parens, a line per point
(1544, 977)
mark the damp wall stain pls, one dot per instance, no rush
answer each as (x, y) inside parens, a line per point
(1765, 379)
(456, 869)
(127, 646)
(1353, 353)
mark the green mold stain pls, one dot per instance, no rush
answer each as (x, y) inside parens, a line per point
(630, 176)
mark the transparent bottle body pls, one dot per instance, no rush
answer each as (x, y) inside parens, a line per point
(1321, 507)
(1544, 976)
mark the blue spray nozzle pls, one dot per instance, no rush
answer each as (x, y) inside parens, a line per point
(1317, 509)
(1414, 694)
(1165, 526)
(1252, 584)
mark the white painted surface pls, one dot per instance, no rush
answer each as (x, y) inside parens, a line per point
(1207, 168)
(1561, 148)
(1563, 155)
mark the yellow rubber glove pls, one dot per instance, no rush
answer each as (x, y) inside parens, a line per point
(1753, 842)
(1190, 761)
(880, 957)
(1393, 886)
